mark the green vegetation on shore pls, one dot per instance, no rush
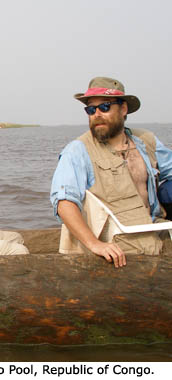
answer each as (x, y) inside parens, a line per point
(13, 125)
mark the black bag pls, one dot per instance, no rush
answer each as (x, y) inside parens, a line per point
(165, 197)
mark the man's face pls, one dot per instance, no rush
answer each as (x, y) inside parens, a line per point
(106, 125)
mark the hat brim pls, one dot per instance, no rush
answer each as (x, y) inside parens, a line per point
(132, 101)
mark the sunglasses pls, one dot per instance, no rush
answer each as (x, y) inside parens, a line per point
(103, 107)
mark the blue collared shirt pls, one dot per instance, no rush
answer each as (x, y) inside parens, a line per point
(74, 174)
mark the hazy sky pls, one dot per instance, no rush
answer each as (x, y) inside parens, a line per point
(50, 49)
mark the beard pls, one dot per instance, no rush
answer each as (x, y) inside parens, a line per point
(110, 129)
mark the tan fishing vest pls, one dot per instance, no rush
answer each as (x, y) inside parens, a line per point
(114, 186)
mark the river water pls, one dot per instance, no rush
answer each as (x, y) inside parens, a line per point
(28, 159)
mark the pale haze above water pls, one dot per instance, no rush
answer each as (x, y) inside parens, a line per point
(50, 49)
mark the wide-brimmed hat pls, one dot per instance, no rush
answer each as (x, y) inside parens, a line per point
(108, 87)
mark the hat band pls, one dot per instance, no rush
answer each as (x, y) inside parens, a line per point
(102, 91)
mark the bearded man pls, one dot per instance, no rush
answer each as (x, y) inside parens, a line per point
(120, 167)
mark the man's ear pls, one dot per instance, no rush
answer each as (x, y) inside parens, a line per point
(124, 108)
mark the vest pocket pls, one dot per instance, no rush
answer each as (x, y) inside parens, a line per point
(116, 182)
(147, 243)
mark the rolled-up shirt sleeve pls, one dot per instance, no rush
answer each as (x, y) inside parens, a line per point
(73, 175)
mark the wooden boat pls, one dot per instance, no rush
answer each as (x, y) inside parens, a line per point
(47, 297)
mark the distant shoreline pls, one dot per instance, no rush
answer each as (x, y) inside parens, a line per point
(13, 125)
(128, 124)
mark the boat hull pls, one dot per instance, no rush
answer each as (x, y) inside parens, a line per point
(81, 299)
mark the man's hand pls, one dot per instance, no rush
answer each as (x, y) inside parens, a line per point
(111, 252)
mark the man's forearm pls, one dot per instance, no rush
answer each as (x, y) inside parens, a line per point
(72, 218)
